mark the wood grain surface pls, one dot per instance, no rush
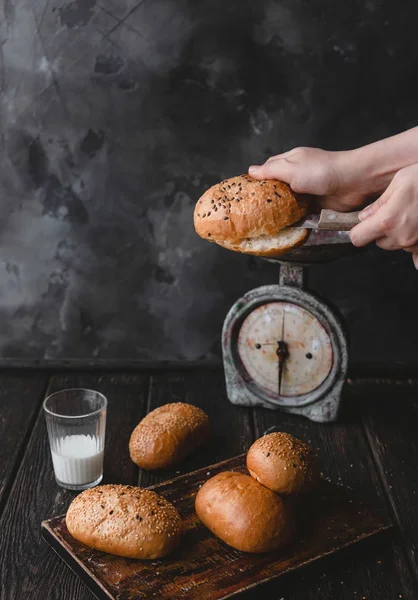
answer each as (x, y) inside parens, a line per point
(29, 569)
(20, 396)
(205, 567)
(372, 450)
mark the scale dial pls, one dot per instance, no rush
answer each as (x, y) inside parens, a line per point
(285, 349)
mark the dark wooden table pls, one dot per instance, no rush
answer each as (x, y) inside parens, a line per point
(373, 449)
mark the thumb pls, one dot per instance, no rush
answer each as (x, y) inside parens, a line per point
(278, 168)
(374, 207)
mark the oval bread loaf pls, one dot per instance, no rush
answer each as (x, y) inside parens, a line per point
(125, 520)
(251, 216)
(283, 463)
(243, 513)
(168, 434)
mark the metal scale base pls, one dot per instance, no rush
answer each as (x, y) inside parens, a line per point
(245, 384)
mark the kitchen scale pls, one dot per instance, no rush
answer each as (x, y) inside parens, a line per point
(284, 347)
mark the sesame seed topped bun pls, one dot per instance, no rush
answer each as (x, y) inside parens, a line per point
(282, 463)
(252, 216)
(125, 520)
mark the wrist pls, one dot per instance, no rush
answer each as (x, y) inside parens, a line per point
(371, 168)
(353, 172)
(378, 166)
(365, 170)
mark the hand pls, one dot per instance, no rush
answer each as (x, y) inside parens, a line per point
(335, 177)
(392, 221)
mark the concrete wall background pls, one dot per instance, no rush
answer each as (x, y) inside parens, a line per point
(116, 115)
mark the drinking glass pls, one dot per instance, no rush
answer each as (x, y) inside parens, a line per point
(76, 423)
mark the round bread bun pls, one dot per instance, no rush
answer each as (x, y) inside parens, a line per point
(283, 463)
(168, 434)
(243, 513)
(247, 215)
(125, 520)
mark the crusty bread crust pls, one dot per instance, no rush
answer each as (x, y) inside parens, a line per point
(240, 211)
(125, 520)
(283, 463)
(168, 434)
(243, 513)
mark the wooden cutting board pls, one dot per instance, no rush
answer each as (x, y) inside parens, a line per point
(205, 567)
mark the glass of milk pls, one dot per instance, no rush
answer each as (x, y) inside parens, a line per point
(76, 423)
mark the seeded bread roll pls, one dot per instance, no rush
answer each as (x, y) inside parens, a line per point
(243, 513)
(168, 434)
(283, 463)
(124, 520)
(250, 216)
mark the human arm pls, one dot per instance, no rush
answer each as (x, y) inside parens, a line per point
(343, 180)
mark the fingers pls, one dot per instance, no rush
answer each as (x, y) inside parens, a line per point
(374, 224)
(415, 259)
(387, 243)
(279, 156)
(274, 168)
(369, 230)
(374, 207)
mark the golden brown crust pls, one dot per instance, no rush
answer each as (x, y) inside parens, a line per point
(243, 513)
(168, 434)
(244, 208)
(124, 520)
(283, 463)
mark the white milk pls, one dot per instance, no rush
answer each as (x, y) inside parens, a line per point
(76, 460)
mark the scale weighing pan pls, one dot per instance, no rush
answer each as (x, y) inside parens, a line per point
(285, 348)
(321, 246)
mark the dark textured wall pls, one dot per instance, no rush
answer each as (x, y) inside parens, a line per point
(116, 115)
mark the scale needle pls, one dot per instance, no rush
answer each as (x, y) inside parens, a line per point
(282, 353)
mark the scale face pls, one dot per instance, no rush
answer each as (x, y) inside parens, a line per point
(309, 347)
(284, 348)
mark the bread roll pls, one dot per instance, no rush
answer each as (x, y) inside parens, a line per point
(124, 520)
(243, 513)
(167, 435)
(282, 463)
(247, 215)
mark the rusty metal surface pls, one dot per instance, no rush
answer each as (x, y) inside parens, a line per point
(321, 403)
